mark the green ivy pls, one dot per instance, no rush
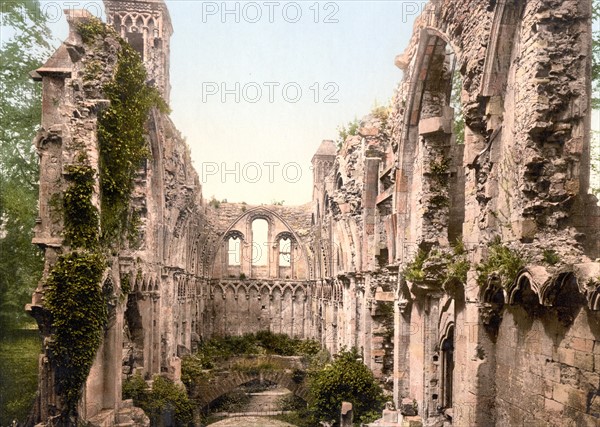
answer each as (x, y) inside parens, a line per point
(91, 29)
(458, 264)
(80, 214)
(79, 314)
(550, 257)
(414, 271)
(122, 142)
(74, 295)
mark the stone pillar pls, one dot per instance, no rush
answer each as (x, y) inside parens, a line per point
(369, 196)
(402, 335)
(347, 415)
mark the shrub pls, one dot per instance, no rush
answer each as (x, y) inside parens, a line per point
(192, 369)
(347, 379)
(165, 404)
(135, 388)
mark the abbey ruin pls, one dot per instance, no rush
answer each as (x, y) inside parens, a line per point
(466, 274)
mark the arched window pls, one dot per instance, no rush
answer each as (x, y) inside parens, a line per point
(234, 250)
(260, 235)
(447, 367)
(285, 252)
(339, 182)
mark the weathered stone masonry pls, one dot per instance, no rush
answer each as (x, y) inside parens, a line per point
(372, 261)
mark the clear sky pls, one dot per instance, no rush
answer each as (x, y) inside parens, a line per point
(256, 86)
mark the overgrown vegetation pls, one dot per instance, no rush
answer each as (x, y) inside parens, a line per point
(74, 296)
(79, 314)
(165, 402)
(345, 131)
(80, 214)
(382, 112)
(550, 257)
(501, 262)
(458, 265)
(214, 203)
(346, 379)
(218, 349)
(122, 142)
(414, 272)
(446, 267)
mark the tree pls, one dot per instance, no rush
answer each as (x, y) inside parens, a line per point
(347, 379)
(20, 112)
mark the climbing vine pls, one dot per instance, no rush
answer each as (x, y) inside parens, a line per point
(79, 314)
(122, 142)
(80, 214)
(74, 297)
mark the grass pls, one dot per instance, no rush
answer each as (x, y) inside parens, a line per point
(19, 352)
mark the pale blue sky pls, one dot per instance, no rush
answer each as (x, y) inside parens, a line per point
(350, 61)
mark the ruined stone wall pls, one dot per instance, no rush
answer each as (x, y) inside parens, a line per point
(401, 193)
(244, 297)
(154, 280)
(464, 273)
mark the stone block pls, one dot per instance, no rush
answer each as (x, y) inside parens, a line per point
(547, 387)
(584, 361)
(581, 344)
(569, 396)
(435, 125)
(368, 131)
(407, 407)
(566, 356)
(553, 406)
(525, 229)
(415, 421)
(384, 296)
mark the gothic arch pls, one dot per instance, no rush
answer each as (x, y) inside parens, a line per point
(261, 212)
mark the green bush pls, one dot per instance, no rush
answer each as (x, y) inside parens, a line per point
(165, 404)
(169, 402)
(347, 379)
(192, 369)
(135, 388)
(263, 342)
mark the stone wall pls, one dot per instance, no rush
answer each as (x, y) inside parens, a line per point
(466, 274)
(400, 193)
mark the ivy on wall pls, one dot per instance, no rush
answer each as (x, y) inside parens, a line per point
(79, 316)
(80, 214)
(122, 142)
(74, 295)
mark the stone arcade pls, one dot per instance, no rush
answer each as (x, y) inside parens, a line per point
(366, 262)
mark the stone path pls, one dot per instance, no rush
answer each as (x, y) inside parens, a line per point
(250, 422)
